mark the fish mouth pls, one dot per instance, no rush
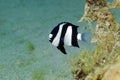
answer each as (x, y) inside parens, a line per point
(50, 36)
(50, 40)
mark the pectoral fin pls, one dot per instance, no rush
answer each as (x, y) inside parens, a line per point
(62, 49)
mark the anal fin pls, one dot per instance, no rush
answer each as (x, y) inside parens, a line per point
(62, 49)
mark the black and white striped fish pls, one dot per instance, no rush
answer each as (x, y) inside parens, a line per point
(65, 33)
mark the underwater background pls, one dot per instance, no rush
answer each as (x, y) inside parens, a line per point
(25, 52)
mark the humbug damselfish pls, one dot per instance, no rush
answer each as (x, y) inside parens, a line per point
(65, 33)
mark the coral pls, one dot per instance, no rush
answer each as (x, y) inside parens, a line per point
(113, 73)
(95, 65)
(115, 4)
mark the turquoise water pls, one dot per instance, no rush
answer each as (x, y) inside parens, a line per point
(25, 52)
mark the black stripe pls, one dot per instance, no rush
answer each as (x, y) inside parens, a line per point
(74, 36)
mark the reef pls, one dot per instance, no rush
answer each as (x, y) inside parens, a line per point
(103, 63)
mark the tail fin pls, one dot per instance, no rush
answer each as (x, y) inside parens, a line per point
(82, 36)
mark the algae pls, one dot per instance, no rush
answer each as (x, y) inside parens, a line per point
(3, 33)
(38, 74)
(1, 66)
(26, 62)
(95, 65)
(22, 64)
(30, 47)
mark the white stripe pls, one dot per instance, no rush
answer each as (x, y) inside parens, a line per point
(68, 36)
(57, 38)
(79, 36)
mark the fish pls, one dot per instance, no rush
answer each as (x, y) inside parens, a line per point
(65, 33)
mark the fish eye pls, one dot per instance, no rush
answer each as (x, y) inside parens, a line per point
(50, 36)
